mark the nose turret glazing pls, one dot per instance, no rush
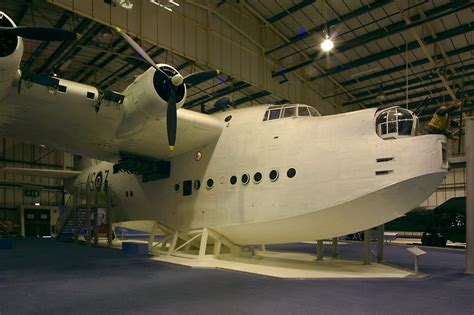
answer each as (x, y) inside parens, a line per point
(396, 122)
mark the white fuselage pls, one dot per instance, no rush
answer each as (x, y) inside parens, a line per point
(336, 189)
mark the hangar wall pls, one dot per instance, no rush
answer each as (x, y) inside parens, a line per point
(17, 190)
(228, 39)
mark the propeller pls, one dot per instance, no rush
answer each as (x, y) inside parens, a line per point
(171, 82)
(40, 33)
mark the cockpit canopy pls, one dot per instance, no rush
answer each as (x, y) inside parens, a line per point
(290, 110)
(396, 122)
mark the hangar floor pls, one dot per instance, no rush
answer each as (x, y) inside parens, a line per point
(48, 277)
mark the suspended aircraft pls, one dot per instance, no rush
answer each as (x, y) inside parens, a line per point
(259, 175)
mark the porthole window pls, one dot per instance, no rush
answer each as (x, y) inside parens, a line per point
(245, 179)
(273, 175)
(233, 179)
(291, 173)
(210, 183)
(228, 118)
(257, 177)
(176, 187)
(197, 184)
(126, 193)
(131, 193)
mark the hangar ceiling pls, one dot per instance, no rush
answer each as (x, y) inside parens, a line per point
(411, 53)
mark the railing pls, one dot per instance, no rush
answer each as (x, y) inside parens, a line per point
(84, 195)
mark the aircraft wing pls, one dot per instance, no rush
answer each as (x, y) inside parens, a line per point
(59, 174)
(78, 118)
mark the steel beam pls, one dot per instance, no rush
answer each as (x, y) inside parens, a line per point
(63, 46)
(394, 28)
(403, 67)
(44, 44)
(426, 80)
(415, 95)
(243, 100)
(216, 94)
(290, 10)
(422, 44)
(353, 14)
(395, 50)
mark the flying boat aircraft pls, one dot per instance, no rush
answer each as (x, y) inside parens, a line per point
(258, 175)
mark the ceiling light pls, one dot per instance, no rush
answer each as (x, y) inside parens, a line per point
(126, 4)
(37, 204)
(327, 44)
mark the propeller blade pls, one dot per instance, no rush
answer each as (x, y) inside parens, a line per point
(171, 119)
(41, 33)
(139, 50)
(198, 77)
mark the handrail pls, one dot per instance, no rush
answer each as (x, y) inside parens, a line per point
(84, 195)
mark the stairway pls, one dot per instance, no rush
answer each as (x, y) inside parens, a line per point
(66, 233)
(79, 220)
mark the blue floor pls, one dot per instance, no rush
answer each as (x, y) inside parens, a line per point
(49, 277)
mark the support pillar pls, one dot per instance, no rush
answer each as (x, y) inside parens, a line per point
(367, 247)
(319, 249)
(334, 247)
(469, 148)
(380, 240)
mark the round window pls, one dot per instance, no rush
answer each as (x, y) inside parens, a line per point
(291, 173)
(233, 179)
(210, 183)
(197, 184)
(228, 118)
(273, 175)
(245, 179)
(257, 177)
(176, 187)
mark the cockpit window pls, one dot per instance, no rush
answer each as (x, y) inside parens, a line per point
(285, 111)
(396, 122)
(289, 112)
(274, 114)
(313, 112)
(303, 111)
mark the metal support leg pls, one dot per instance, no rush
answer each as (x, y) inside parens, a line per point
(173, 243)
(469, 148)
(151, 239)
(217, 248)
(416, 264)
(262, 247)
(380, 234)
(319, 249)
(202, 247)
(334, 247)
(367, 247)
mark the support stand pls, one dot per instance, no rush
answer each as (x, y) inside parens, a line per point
(199, 244)
(380, 240)
(334, 248)
(367, 236)
(319, 249)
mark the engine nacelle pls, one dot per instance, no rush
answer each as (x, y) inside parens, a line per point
(11, 51)
(147, 99)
